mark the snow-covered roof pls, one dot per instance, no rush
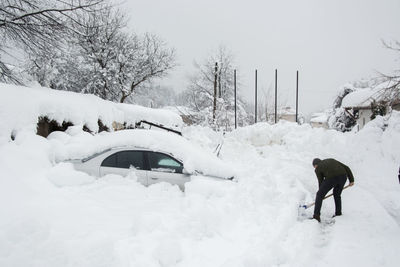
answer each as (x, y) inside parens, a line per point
(319, 117)
(23, 105)
(287, 111)
(363, 97)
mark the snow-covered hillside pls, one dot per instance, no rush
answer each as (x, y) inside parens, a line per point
(52, 215)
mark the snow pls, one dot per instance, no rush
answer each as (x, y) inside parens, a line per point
(364, 97)
(287, 111)
(319, 117)
(52, 215)
(181, 110)
(22, 106)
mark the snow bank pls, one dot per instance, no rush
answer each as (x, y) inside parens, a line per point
(20, 108)
(52, 215)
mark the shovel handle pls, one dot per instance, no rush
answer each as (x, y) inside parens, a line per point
(331, 194)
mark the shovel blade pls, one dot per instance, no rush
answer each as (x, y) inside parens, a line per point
(302, 214)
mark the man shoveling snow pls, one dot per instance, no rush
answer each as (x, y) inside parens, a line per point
(331, 174)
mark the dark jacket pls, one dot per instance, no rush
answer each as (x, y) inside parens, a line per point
(331, 168)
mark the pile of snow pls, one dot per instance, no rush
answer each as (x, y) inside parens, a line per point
(52, 215)
(20, 108)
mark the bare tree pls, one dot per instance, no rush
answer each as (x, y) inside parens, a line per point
(34, 24)
(211, 93)
(391, 92)
(212, 80)
(150, 59)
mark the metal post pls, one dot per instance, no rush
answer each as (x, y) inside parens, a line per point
(276, 95)
(297, 96)
(215, 90)
(255, 100)
(219, 82)
(234, 86)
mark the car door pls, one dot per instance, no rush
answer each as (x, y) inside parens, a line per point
(123, 162)
(164, 168)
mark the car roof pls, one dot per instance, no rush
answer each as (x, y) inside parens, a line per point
(129, 147)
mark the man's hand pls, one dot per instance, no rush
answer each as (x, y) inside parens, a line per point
(351, 184)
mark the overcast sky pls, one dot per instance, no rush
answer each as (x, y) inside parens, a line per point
(329, 42)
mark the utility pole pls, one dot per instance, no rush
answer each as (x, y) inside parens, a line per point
(219, 82)
(234, 86)
(215, 89)
(297, 96)
(255, 100)
(276, 95)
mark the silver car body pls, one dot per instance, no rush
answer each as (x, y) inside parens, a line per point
(157, 166)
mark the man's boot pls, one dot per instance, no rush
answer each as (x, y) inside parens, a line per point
(316, 217)
(337, 214)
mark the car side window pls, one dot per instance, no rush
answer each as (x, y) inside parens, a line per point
(164, 163)
(125, 159)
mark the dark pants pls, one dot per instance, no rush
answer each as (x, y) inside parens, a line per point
(337, 184)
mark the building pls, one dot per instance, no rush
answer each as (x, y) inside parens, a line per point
(319, 120)
(365, 104)
(286, 113)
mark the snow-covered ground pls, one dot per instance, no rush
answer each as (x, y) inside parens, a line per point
(52, 215)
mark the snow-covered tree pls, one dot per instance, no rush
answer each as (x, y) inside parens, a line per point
(211, 91)
(59, 67)
(103, 58)
(155, 96)
(33, 25)
(339, 118)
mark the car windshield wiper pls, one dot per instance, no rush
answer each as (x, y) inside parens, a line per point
(95, 155)
(213, 176)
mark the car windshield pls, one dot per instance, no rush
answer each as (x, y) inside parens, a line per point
(165, 163)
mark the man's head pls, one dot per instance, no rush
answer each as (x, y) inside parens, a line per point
(315, 162)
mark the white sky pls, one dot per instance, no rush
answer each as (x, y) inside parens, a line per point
(329, 42)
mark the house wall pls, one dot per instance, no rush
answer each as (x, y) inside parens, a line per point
(364, 116)
(288, 117)
(319, 124)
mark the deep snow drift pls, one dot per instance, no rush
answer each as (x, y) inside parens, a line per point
(52, 215)
(20, 108)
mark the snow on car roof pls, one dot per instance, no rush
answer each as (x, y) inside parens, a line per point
(194, 157)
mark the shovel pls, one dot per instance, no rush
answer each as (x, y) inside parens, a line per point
(303, 207)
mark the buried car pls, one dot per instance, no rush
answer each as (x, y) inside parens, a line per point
(154, 156)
